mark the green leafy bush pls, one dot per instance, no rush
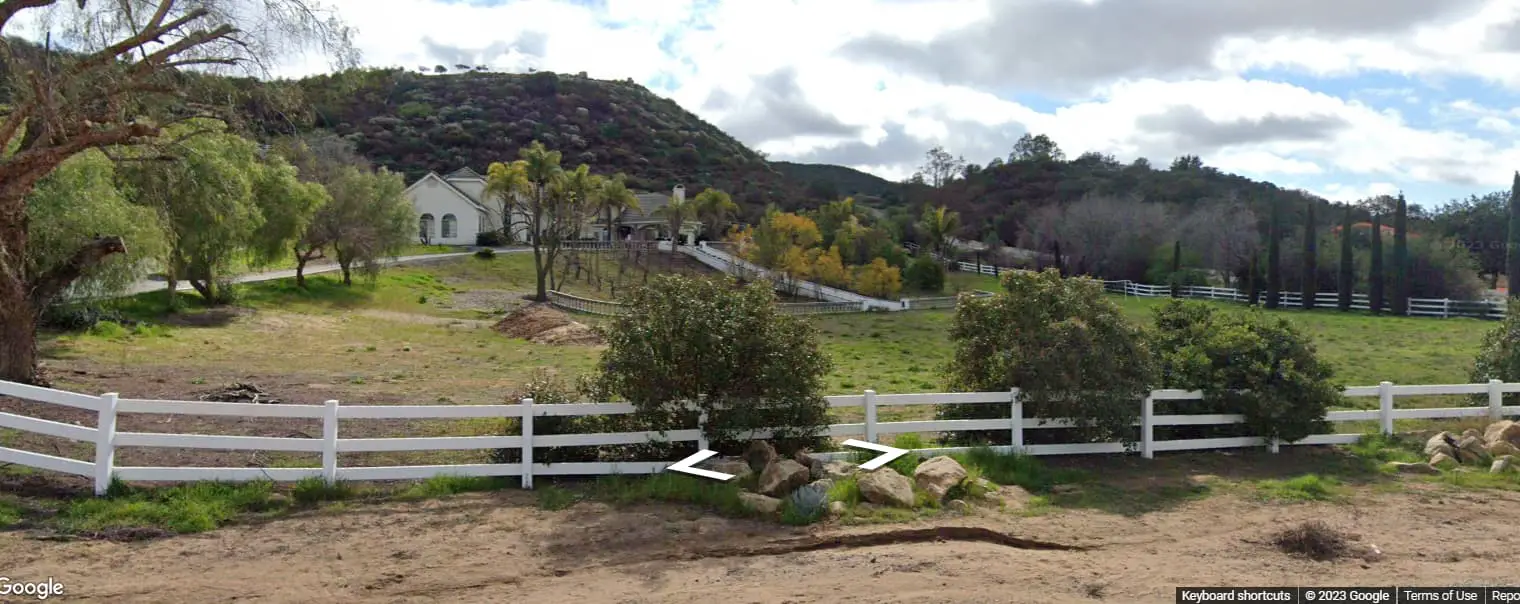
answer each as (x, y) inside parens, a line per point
(924, 274)
(485, 253)
(1244, 362)
(1499, 354)
(688, 343)
(490, 239)
(1062, 343)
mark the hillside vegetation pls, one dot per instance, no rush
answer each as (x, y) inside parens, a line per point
(412, 123)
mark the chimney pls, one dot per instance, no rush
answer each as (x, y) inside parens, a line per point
(679, 193)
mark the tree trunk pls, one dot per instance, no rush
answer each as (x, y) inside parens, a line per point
(18, 335)
(348, 274)
(300, 271)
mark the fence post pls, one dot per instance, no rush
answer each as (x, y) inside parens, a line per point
(1495, 400)
(1385, 407)
(865, 306)
(330, 442)
(527, 443)
(870, 416)
(105, 442)
(702, 429)
(1147, 436)
(1016, 421)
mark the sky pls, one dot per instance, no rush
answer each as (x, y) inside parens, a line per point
(1343, 98)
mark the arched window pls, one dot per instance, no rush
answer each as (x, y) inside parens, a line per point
(450, 226)
(425, 227)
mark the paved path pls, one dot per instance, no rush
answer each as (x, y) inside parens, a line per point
(148, 285)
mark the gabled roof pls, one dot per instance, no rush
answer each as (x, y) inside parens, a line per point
(450, 186)
(464, 173)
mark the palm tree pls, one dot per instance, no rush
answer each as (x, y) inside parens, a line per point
(612, 198)
(676, 213)
(713, 208)
(528, 185)
(938, 225)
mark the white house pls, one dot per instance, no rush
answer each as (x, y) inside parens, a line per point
(453, 210)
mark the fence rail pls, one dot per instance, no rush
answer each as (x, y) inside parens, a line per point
(107, 439)
(1419, 307)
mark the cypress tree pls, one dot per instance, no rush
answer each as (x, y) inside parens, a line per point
(1177, 268)
(1375, 274)
(1253, 287)
(1060, 266)
(1400, 302)
(1309, 291)
(1274, 256)
(1512, 249)
(1347, 279)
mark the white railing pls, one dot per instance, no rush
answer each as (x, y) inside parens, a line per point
(612, 309)
(745, 269)
(107, 439)
(1419, 307)
(585, 305)
(644, 246)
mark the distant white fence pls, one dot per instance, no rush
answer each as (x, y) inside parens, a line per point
(107, 439)
(1420, 307)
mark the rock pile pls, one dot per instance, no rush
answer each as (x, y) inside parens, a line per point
(775, 478)
(1496, 446)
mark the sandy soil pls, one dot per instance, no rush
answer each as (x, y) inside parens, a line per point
(500, 548)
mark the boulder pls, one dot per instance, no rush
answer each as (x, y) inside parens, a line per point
(737, 467)
(885, 486)
(1443, 461)
(759, 503)
(1505, 431)
(986, 487)
(759, 455)
(938, 475)
(1443, 444)
(1412, 468)
(958, 506)
(1502, 465)
(803, 458)
(1502, 448)
(782, 477)
(1013, 497)
(1470, 450)
(822, 484)
(1471, 432)
(836, 508)
(834, 470)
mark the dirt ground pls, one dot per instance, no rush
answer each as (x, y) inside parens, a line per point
(501, 548)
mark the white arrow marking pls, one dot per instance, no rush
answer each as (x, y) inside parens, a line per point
(887, 453)
(685, 466)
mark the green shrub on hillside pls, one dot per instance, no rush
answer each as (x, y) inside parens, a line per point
(1063, 343)
(688, 343)
(1245, 362)
(924, 274)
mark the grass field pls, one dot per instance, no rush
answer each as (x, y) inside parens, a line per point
(321, 328)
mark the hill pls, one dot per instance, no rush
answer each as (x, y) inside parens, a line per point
(825, 181)
(413, 123)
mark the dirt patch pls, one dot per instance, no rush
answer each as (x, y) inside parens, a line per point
(500, 548)
(544, 324)
(488, 300)
(240, 393)
(420, 319)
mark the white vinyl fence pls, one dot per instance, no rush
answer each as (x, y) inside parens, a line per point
(1419, 307)
(107, 439)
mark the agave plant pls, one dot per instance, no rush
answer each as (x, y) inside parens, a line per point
(810, 501)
